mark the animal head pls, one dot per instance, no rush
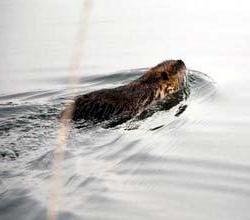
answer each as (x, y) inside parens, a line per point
(170, 73)
(169, 69)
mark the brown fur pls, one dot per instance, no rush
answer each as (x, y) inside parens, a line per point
(128, 100)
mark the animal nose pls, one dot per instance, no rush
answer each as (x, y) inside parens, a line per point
(180, 63)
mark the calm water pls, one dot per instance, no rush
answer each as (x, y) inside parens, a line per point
(195, 166)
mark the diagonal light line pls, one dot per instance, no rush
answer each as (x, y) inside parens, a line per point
(55, 194)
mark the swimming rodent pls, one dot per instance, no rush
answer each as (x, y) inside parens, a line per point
(129, 100)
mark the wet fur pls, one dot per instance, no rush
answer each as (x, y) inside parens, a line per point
(126, 101)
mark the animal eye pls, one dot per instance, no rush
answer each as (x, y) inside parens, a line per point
(164, 76)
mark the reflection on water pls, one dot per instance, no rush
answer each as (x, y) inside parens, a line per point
(190, 162)
(108, 170)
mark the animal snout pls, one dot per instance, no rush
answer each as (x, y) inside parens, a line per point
(180, 64)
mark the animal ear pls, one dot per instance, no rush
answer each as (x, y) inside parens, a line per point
(164, 76)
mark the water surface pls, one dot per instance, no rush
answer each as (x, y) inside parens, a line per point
(194, 166)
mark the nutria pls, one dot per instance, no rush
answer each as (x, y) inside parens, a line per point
(129, 100)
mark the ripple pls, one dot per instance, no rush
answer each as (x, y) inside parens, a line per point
(104, 168)
(20, 205)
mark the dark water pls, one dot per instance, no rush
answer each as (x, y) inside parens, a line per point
(195, 165)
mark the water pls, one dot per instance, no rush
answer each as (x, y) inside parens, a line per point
(194, 166)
